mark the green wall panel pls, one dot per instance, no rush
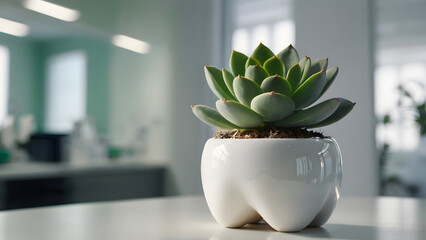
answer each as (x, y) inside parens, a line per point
(26, 87)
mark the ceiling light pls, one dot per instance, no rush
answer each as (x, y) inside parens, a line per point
(52, 10)
(131, 44)
(13, 28)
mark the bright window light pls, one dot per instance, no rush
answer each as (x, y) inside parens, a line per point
(283, 34)
(271, 24)
(13, 28)
(52, 10)
(386, 85)
(66, 91)
(240, 40)
(260, 34)
(131, 44)
(4, 81)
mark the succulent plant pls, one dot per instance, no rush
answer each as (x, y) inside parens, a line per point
(272, 90)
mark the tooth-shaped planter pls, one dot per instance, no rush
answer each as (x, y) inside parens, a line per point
(289, 183)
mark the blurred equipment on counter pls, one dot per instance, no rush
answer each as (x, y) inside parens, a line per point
(48, 147)
(86, 145)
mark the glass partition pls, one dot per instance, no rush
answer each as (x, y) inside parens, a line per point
(400, 95)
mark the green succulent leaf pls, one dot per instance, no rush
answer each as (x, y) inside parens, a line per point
(345, 107)
(262, 53)
(245, 90)
(272, 106)
(318, 66)
(212, 117)
(294, 76)
(311, 116)
(274, 65)
(229, 80)
(251, 61)
(306, 69)
(309, 91)
(256, 73)
(239, 114)
(289, 57)
(268, 90)
(329, 79)
(276, 84)
(216, 83)
(237, 63)
(302, 63)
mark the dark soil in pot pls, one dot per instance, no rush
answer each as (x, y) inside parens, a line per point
(269, 132)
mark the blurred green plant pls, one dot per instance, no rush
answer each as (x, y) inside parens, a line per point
(419, 108)
(272, 90)
(407, 103)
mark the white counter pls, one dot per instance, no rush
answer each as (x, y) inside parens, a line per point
(189, 218)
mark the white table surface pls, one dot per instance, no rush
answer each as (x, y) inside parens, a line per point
(189, 218)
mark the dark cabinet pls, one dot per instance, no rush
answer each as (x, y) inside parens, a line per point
(81, 185)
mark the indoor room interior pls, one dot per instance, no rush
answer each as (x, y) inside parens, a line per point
(95, 108)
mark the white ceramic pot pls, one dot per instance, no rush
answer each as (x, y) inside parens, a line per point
(289, 183)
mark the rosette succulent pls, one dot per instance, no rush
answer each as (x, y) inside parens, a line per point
(268, 90)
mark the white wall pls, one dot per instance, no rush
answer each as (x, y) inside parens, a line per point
(342, 31)
(194, 45)
(140, 83)
(157, 89)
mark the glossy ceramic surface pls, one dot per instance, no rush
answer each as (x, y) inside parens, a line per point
(290, 183)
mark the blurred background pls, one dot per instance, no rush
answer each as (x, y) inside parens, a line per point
(95, 95)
